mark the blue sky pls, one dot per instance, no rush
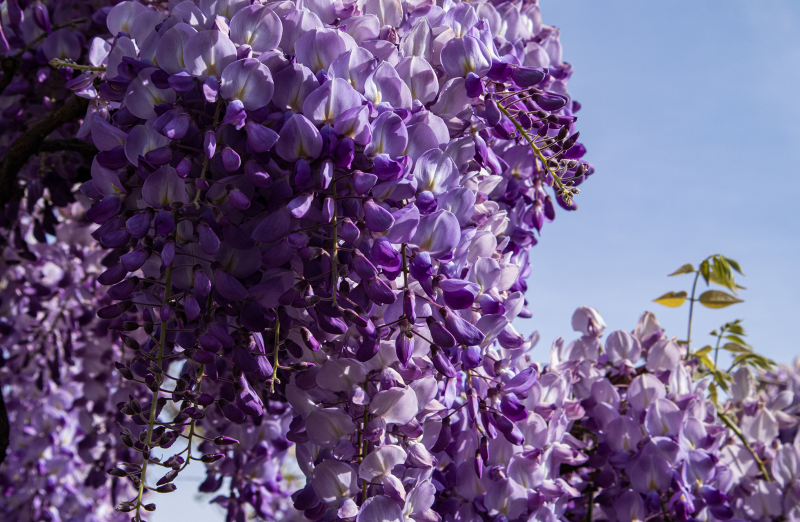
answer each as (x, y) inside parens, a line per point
(691, 114)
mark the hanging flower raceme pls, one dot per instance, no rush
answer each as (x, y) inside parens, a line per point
(317, 219)
(316, 208)
(328, 208)
(59, 382)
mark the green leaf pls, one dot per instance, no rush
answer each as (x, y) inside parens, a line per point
(706, 361)
(672, 299)
(685, 269)
(715, 278)
(737, 340)
(721, 378)
(705, 270)
(703, 351)
(712, 393)
(761, 361)
(717, 299)
(713, 332)
(753, 359)
(736, 348)
(736, 328)
(735, 265)
(722, 274)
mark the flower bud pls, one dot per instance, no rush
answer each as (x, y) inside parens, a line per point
(493, 113)
(210, 144)
(211, 457)
(404, 346)
(116, 472)
(478, 464)
(442, 363)
(484, 449)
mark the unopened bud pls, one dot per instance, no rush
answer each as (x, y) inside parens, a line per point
(568, 144)
(222, 440)
(212, 457)
(129, 326)
(166, 488)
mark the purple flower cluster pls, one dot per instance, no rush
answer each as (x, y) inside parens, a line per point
(316, 219)
(58, 381)
(660, 445)
(293, 191)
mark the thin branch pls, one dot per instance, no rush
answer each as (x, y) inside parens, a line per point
(31, 141)
(59, 64)
(84, 148)
(728, 422)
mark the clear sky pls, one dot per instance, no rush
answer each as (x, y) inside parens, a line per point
(691, 115)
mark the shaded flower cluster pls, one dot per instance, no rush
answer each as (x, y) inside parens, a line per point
(58, 381)
(41, 136)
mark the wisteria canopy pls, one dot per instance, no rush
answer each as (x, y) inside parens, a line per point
(285, 243)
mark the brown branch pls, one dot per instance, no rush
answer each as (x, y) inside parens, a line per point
(84, 148)
(31, 141)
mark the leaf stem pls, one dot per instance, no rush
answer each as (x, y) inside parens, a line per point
(205, 158)
(405, 265)
(562, 188)
(59, 64)
(664, 511)
(154, 403)
(691, 312)
(335, 239)
(719, 340)
(363, 441)
(590, 507)
(275, 365)
(746, 444)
